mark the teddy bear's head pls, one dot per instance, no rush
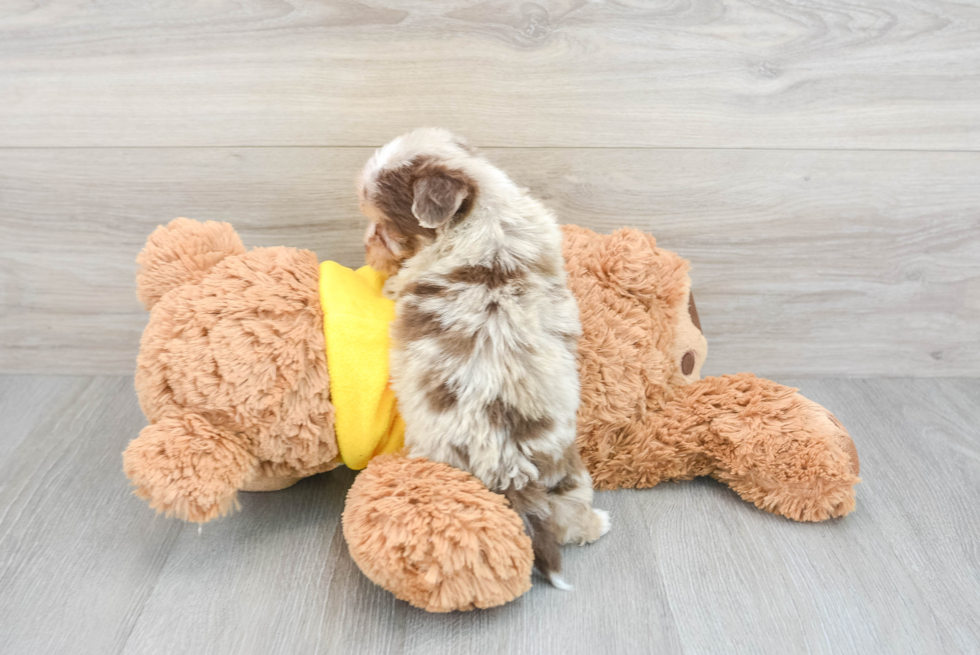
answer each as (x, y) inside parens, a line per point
(641, 332)
(641, 337)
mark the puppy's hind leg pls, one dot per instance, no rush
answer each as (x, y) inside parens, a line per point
(532, 504)
(576, 521)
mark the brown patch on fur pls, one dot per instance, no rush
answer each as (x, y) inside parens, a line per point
(423, 288)
(414, 323)
(492, 276)
(554, 469)
(570, 339)
(547, 553)
(495, 411)
(458, 344)
(463, 456)
(566, 484)
(441, 398)
(549, 468)
(394, 196)
(520, 427)
(380, 258)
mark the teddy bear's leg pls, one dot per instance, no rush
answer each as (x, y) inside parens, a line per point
(434, 536)
(778, 450)
(188, 468)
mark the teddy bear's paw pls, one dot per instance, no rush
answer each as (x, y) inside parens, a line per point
(816, 499)
(774, 447)
(187, 468)
(810, 468)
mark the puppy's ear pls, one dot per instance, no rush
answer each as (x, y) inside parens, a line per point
(437, 198)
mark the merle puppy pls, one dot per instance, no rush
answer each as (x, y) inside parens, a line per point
(483, 356)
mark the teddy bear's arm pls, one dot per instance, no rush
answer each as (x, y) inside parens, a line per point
(777, 449)
(188, 468)
(774, 447)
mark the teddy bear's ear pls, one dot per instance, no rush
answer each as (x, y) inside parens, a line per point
(439, 196)
(182, 252)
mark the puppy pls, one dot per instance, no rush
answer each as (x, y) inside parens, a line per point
(483, 358)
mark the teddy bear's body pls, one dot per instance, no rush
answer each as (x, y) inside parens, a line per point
(233, 377)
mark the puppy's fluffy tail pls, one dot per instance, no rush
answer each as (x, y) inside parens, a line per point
(531, 503)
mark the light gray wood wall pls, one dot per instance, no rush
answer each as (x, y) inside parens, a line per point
(819, 164)
(730, 73)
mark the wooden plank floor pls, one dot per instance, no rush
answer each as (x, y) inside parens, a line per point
(85, 567)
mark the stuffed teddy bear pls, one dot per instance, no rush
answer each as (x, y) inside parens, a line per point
(260, 368)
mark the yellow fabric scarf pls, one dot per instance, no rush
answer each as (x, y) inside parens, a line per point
(355, 325)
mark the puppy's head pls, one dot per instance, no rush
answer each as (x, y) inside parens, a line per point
(411, 190)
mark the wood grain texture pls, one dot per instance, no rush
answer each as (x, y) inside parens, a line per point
(894, 74)
(228, 595)
(688, 568)
(26, 401)
(78, 554)
(804, 263)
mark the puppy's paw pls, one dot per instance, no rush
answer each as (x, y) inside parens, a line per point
(604, 522)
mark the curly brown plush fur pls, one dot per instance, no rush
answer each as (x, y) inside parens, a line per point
(435, 536)
(644, 420)
(232, 372)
